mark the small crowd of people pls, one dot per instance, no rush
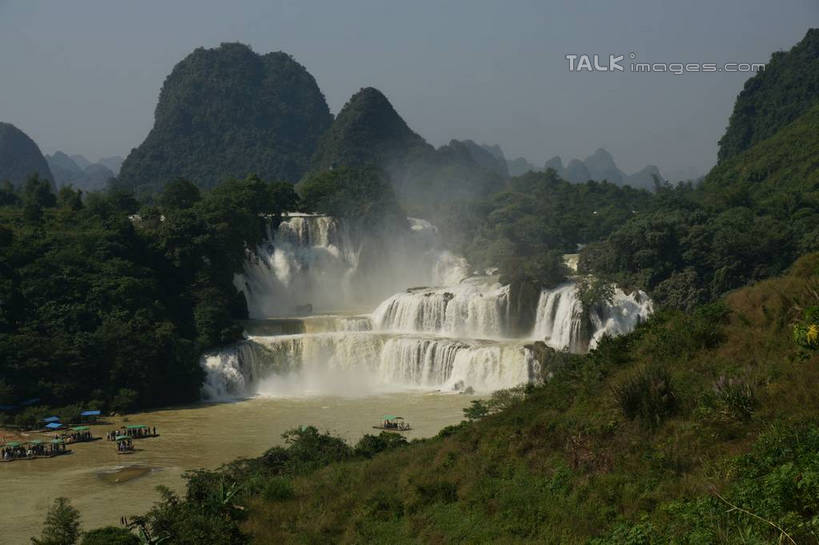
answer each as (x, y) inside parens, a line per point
(396, 425)
(76, 436)
(133, 433)
(125, 445)
(31, 450)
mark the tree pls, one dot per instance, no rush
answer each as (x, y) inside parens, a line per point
(37, 191)
(62, 525)
(180, 194)
(363, 194)
(68, 197)
(8, 197)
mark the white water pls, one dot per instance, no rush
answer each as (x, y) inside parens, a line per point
(314, 263)
(560, 320)
(360, 363)
(475, 308)
(451, 336)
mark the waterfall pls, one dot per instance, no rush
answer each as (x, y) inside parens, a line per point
(473, 309)
(454, 335)
(369, 361)
(561, 323)
(313, 262)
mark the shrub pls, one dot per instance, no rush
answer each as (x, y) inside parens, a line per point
(736, 397)
(647, 396)
(277, 489)
(477, 409)
(806, 332)
(370, 445)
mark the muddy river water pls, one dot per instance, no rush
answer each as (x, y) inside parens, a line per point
(104, 485)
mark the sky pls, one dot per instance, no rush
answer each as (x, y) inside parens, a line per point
(83, 76)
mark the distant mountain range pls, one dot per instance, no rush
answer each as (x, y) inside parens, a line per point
(598, 166)
(79, 172)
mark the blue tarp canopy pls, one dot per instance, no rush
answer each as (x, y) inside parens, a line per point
(54, 426)
(90, 413)
(51, 419)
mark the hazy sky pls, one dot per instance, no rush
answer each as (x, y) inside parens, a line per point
(83, 76)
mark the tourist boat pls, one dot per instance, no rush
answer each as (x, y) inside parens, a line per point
(125, 444)
(36, 448)
(393, 423)
(79, 434)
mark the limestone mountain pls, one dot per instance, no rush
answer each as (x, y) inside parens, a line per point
(488, 157)
(576, 171)
(643, 178)
(367, 130)
(519, 166)
(600, 165)
(66, 170)
(555, 163)
(227, 112)
(114, 163)
(81, 161)
(783, 91)
(20, 157)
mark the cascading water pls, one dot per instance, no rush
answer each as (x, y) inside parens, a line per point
(314, 263)
(456, 335)
(563, 325)
(475, 309)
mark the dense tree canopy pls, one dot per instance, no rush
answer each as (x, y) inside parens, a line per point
(99, 307)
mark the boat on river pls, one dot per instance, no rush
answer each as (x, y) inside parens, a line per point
(125, 445)
(393, 423)
(30, 450)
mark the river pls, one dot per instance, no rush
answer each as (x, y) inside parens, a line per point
(95, 478)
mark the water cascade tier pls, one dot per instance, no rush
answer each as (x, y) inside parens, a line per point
(335, 311)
